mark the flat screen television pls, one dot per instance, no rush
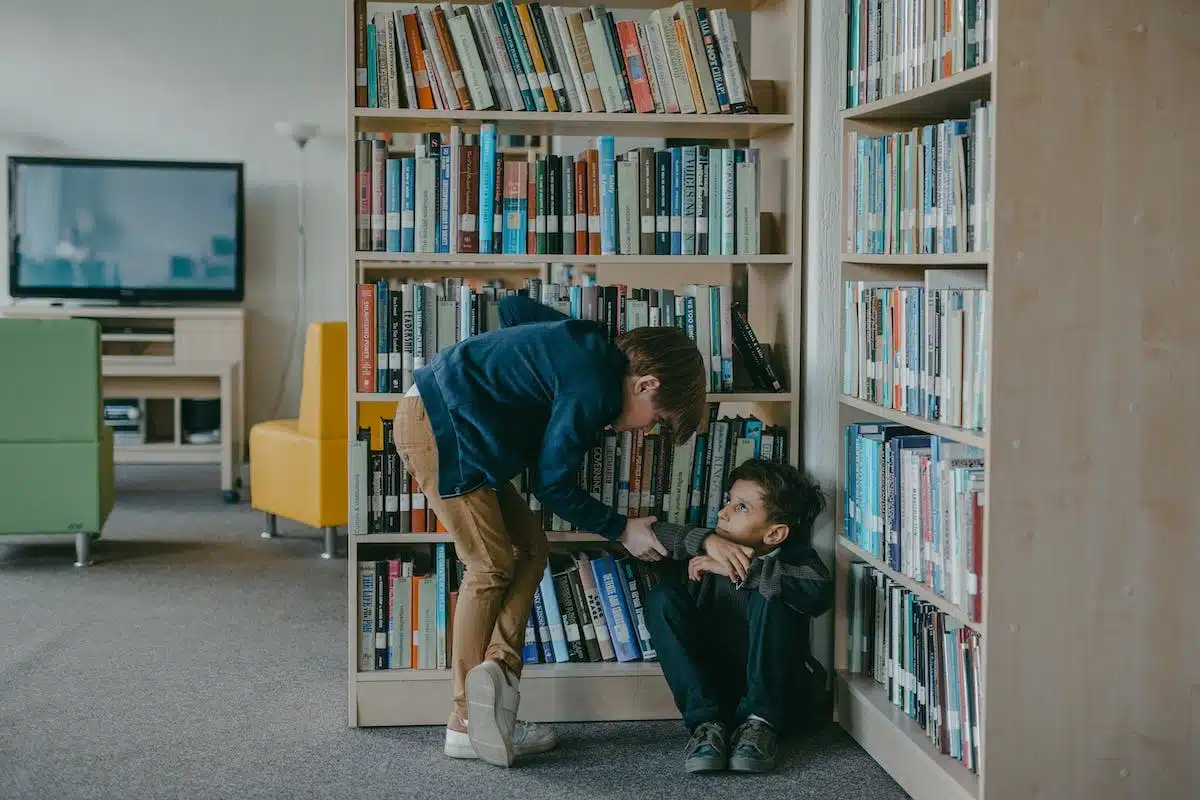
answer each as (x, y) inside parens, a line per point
(126, 230)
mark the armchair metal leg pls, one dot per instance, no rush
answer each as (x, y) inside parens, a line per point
(83, 549)
(330, 542)
(272, 527)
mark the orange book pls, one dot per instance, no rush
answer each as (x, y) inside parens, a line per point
(420, 72)
(535, 54)
(418, 505)
(689, 66)
(453, 65)
(593, 167)
(581, 205)
(639, 84)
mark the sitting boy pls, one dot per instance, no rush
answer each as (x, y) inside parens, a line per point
(733, 636)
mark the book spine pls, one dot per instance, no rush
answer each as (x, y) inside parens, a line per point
(392, 219)
(487, 185)
(608, 198)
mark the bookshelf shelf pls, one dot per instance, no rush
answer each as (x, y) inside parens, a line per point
(973, 438)
(531, 672)
(981, 260)
(768, 284)
(946, 97)
(899, 744)
(917, 588)
(731, 397)
(708, 126)
(501, 260)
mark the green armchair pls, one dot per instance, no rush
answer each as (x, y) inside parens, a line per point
(56, 453)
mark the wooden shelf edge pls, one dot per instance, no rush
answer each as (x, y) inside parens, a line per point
(716, 397)
(375, 258)
(973, 438)
(895, 105)
(980, 259)
(899, 744)
(736, 125)
(607, 669)
(917, 588)
(580, 537)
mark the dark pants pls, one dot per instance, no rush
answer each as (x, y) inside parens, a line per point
(730, 656)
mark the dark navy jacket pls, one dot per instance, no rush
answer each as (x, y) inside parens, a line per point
(533, 394)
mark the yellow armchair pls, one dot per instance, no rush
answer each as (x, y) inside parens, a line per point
(298, 466)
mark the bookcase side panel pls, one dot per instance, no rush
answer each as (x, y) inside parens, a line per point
(1092, 602)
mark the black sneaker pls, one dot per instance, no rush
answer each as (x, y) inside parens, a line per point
(706, 748)
(754, 747)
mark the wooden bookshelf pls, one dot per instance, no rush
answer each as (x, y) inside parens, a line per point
(1089, 533)
(770, 284)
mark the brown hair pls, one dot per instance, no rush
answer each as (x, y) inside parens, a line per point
(668, 354)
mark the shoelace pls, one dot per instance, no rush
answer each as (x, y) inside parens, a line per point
(752, 735)
(708, 733)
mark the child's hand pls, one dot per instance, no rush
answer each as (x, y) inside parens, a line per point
(699, 565)
(733, 557)
(640, 540)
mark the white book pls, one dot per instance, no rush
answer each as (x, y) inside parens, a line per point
(406, 70)
(665, 24)
(628, 216)
(472, 64)
(744, 209)
(728, 203)
(598, 44)
(561, 56)
(558, 28)
(664, 80)
(648, 66)
(508, 78)
(393, 59)
(734, 80)
(495, 77)
(686, 11)
(426, 205)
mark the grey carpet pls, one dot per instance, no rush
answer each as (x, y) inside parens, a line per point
(195, 660)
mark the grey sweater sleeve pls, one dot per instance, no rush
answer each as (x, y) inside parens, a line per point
(805, 583)
(681, 541)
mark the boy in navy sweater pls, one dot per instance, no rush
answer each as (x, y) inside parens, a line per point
(731, 628)
(532, 395)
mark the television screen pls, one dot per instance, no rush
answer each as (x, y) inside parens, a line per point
(135, 230)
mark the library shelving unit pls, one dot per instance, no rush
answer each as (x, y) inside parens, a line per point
(769, 284)
(1089, 535)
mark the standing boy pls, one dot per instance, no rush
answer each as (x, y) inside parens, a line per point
(733, 634)
(532, 395)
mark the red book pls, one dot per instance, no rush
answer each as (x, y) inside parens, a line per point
(366, 337)
(593, 204)
(468, 199)
(639, 84)
(531, 203)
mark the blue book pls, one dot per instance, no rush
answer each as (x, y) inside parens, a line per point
(408, 205)
(558, 636)
(515, 29)
(529, 651)
(543, 627)
(441, 608)
(372, 68)
(676, 201)
(382, 354)
(514, 57)
(608, 196)
(392, 210)
(487, 184)
(617, 615)
(443, 221)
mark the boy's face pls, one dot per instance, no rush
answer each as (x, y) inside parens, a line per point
(744, 519)
(637, 410)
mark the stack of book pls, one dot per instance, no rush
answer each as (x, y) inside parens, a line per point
(924, 190)
(528, 57)
(915, 502)
(894, 47)
(920, 347)
(928, 662)
(587, 608)
(401, 325)
(458, 194)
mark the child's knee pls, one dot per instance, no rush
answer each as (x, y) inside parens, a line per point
(666, 600)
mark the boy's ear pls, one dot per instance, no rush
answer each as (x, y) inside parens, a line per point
(776, 534)
(645, 383)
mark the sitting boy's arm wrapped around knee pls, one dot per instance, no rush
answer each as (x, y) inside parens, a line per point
(801, 580)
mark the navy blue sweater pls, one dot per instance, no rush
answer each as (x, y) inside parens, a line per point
(533, 394)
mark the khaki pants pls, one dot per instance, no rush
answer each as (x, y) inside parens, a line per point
(499, 540)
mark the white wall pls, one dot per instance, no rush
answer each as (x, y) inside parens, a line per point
(822, 347)
(199, 80)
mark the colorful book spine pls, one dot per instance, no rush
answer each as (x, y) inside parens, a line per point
(608, 196)
(487, 184)
(392, 223)
(408, 202)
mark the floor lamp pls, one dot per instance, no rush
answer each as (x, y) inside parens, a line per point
(300, 133)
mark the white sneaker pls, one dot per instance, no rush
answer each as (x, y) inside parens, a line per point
(492, 701)
(527, 739)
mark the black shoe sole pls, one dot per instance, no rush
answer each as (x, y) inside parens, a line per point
(750, 765)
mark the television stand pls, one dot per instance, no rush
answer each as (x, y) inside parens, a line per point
(161, 356)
